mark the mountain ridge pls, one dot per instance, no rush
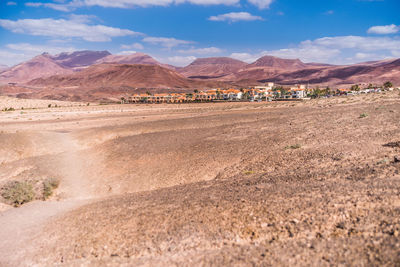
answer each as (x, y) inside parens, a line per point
(211, 70)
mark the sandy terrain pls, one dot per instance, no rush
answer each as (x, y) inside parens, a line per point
(308, 183)
(19, 103)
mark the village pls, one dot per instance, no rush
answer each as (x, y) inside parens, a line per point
(267, 92)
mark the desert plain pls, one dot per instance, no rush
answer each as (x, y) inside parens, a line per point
(313, 183)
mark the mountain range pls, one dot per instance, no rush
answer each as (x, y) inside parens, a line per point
(89, 70)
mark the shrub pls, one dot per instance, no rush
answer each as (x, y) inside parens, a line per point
(49, 105)
(18, 193)
(48, 186)
(296, 146)
(363, 115)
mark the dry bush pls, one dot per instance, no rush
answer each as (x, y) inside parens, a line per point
(48, 186)
(18, 193)
(296, 146)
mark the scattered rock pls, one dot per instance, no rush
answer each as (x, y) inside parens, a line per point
(392, 144)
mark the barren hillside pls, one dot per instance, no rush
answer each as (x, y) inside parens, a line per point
(212, 68)
(375, 72)
(39, 67)
(212, 184)
(79, 59)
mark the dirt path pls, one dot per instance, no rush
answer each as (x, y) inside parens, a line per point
(74, 184)
(20, 225)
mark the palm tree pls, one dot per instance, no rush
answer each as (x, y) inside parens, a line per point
(218, 94)
(387, 84)
(355, 87)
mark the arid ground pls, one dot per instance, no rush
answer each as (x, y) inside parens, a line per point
(291, 183)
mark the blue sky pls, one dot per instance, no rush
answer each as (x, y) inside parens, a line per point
(179, 31)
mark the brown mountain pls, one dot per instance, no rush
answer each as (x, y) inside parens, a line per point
(79, 59)
(228, 69)
(38, 67)
(135, 58)
(278, 63)
(212, 68)
(105, 82)
(368, 72)
(266, 66)
(120, 75)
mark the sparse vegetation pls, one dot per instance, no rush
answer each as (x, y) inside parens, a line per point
(387, 84)
(8, 109)
(48, 187)
(18, 193)
(248, 172)
(363, 115)
(355, 87)
(296, 146)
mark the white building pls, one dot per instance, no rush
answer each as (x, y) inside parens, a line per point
(299, 91)
(265, 88)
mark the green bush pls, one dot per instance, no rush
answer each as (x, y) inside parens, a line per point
(363, 115)
(18, 193)
(48, 186)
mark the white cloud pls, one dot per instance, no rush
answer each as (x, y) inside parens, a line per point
(246, 57)
(59, 7)
(38, 49)
(71, 5)
(395, 53)
(308, 53)
(180, 61)
(64, 28)
(387, 29)
(334, 50)
(235, 16)
(262, 4)
(81, 18)
(137, 46)
(364, 56)
(166, 42)
(11, 3)
(127, 52)
(201, 51)
(357, 42)
(145, 3)
(10, 58)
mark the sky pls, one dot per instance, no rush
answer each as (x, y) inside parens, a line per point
(179, 31)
